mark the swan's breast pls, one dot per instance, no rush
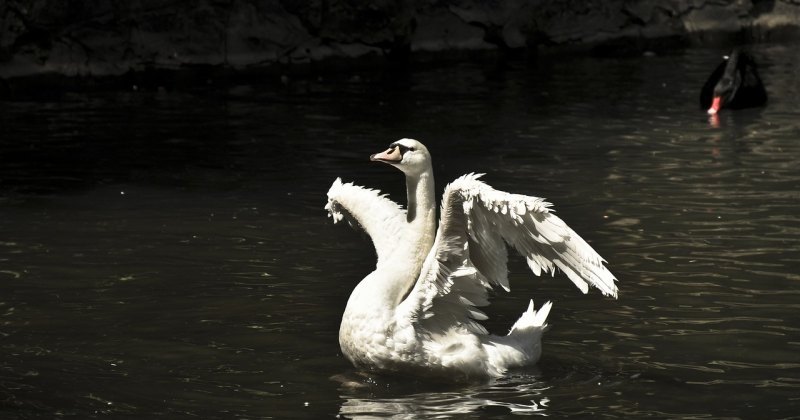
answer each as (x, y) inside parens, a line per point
(378, 340)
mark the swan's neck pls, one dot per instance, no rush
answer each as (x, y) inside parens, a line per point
(420, 197)
(420, 216)
(405, 264)
(396, 274)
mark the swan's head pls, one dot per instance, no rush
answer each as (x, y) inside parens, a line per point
(407, 155)
(728, 84)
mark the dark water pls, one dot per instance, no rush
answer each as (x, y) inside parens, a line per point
(166, 253)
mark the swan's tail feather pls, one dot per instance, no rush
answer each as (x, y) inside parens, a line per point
(531, 319)
(523, 344)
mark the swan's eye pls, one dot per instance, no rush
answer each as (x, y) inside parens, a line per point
(404, 149)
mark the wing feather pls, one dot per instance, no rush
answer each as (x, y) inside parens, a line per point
(470, 256)
(381, 218)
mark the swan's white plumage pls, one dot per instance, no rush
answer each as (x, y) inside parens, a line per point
(432, 327)
(470, 252)
(380, 217)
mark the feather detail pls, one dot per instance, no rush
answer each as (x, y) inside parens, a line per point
(420, 308)
(381, 218)
(470, 256)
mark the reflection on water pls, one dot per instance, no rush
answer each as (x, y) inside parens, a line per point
(516, 394)
(166, 253)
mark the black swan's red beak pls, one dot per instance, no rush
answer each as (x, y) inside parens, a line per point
(715, 105)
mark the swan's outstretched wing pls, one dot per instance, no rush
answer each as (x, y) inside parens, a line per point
(379, 216)
(469, 255)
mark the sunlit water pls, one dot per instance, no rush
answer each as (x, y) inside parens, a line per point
(166, 253)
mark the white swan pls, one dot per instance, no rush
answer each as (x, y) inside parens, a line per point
(417, 312)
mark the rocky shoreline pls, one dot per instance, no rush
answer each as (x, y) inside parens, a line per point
(91, 38)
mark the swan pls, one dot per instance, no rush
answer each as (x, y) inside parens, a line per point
(734, 84)
(417, 312)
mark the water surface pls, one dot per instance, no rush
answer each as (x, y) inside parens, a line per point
(166, 252)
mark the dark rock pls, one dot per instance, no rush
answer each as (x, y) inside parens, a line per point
(91, 38)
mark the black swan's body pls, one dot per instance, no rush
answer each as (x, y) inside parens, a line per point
(734, 84)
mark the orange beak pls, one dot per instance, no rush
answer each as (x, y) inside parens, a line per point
(390, 155)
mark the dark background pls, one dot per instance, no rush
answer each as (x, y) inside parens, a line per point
(164, 251)
(152, 43)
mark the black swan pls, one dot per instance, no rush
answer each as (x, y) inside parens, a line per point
(734, 84)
